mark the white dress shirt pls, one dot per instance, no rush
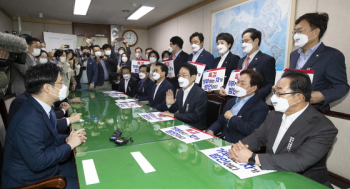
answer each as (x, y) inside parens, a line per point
(45, 106)
(155, 92)
(251, 57)
(33, 59)
(185, 94)
(126, 85)
(84, 78)
(196, 55)
(223, 57)
(285, 124)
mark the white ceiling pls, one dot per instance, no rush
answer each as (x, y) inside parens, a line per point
(100, 11)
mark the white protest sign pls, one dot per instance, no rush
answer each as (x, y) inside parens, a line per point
(279, 73)
(200, 70)
(135, 64)
(125, 100)
(113, 95)
(187, 134)
(170, 64)
(128, 105)
(242, 170)
(230, 90)
(155, 117)
(213, 79)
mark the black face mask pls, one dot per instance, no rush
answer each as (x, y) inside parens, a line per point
(86, 54)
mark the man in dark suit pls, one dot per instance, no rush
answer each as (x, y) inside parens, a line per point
(157, 97)
(297, 137)
(179, 58)
(191, 100)
(228, 60)
(87, 77)
(258, 61)
(242, 114)
(107, 51)
(199, 54)
(128, 84)
(330, 79)
(145, 85)
(104, 66)
(34, 150)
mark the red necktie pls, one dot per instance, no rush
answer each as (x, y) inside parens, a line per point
(246, 63)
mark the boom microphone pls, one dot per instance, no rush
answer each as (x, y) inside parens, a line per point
(12, 43)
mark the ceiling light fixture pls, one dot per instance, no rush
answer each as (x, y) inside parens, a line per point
(140, 12)
(81, 7)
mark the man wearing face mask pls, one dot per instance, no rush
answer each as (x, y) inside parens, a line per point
(148, 50)
(244, 113)
(89, 71)
(18, 71)
(178, 56)
(138, 53)
(191, 101)
(33, 147)
(297, 137)
(159, 90)
(330, 79)
(145, 85)
(117, 56)
(199, 54)
(107, 50)
(104, 68)
(128, 85)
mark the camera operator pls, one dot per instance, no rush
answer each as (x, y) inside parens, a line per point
(4, 72)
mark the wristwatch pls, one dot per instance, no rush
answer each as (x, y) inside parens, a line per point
(251, 160)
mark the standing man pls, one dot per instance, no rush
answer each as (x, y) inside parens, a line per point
(117, 56)
(148, 50)
(107, 51)
(330, 81)
(145, 85)
(199, 54)
(179, 58)
(87, 77)
(138, 53)
(104, 69)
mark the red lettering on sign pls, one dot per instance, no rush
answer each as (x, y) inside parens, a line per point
(192, 131)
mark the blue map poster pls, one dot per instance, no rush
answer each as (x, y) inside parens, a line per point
(271, 17)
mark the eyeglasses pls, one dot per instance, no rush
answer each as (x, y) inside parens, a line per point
(280, 94)
(298, 31)
(182, 75)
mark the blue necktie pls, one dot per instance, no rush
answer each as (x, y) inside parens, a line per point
(53, 118)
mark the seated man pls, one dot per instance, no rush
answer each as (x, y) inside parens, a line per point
(145, 85)
(128, 84)
(243, 113)
(297, 137)
(33, 148)
(191, 101)
(157, 97)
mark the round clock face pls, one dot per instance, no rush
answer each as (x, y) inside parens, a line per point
(131, 37)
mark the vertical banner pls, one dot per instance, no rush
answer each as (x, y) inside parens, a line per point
(279, 73)
(200, 70)
(170, 64)
(231, 82)
(213, 79)
(135, 64)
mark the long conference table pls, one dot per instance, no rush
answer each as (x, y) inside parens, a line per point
(176, 164)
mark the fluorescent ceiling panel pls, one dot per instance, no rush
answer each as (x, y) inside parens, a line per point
(81, 7)
(140, 12)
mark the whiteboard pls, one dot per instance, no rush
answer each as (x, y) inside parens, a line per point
(55, 40)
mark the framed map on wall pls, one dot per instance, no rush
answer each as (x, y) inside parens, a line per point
(274, 18)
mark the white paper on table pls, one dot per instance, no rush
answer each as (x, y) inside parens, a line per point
(242, 170)
(213, 79)
(170, 64)
(128, 105)
(112, 92)
(135, 64)
(118, 95)
(90, 172)
(155, 117)
(231, 82)
(187, 134)
(279, 73)
(200, 70)
(142, 161)
(125, 100)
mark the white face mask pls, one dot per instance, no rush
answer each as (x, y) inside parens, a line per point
(98, 53)
(63, 59)
(36, 52)
(108, 53)
(121, 52)
(124, 59)
(301, 39)
(239, 91)
(247, 47)
(222, 49)
(152, 59)
(142, 75)
(62, 94)
(183, 82)
(126, 76)
(156, 75)
(137, 55)
(280, 104)
(170, 49)
(195, 47)
(43, 60)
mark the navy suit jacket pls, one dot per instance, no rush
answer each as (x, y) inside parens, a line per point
(204, 58)
(231, 62)
(33, 148)
(179, 60)
(330, 73)
(145, 91)
(266, 66)
(91, 71)
(101, 74)
(18, 102)
(194, 110)
(159, 102)
(250, 117)
(132, 86)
